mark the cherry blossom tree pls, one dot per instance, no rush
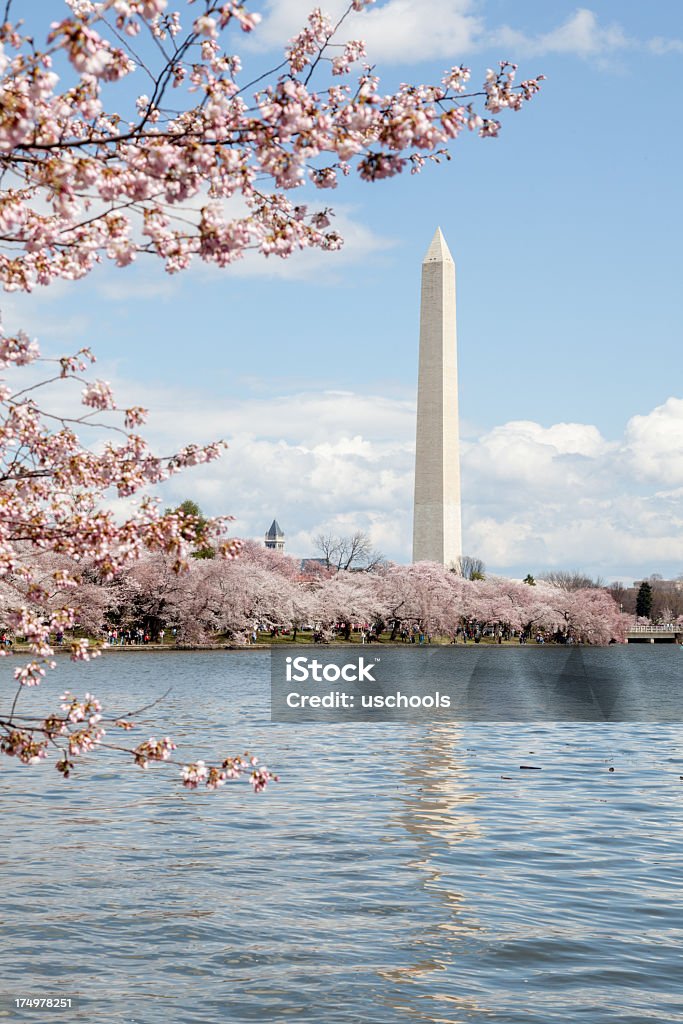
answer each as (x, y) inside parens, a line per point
(539, 609)
(187, 160)
(295, 602)
(147, 593)
(345, 598)
(591, 615)
(498, 603)
(255, 597)
(425, 595)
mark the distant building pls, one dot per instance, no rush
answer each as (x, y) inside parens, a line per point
(308, 564)
(275, 538)
(657, 581)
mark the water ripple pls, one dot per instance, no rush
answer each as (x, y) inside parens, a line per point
(398, 873)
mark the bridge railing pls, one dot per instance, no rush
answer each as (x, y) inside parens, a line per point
(661, 627)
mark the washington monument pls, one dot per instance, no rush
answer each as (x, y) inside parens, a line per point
(436, 518)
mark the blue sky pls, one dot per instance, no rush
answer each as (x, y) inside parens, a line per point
(566, 235)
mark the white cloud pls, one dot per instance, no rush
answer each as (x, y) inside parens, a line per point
(337, 422)
(654, 444)
(415, 30)
(410, 31)
(564, 496)
(661, 47)
(398, 30)
(581, 35)
(534, 497)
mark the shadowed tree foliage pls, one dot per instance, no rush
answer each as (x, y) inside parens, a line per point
(644, 600)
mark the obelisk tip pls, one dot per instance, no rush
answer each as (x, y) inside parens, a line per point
(438, 251)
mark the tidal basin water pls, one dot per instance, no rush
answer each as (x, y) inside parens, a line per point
(398, 872)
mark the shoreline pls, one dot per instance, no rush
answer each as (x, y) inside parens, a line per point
(333, 645)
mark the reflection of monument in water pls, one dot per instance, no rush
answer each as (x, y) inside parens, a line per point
(438, 804)
(440, 800)
(436, 514)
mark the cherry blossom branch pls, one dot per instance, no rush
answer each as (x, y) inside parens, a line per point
(80, 730)
(66, 147)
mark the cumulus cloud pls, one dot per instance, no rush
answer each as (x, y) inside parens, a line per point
(401, 30)
(396, 30)
(534, 497)
(408, 31)
(581, 35)
(565, 496)
(522, 451)
(654, 443)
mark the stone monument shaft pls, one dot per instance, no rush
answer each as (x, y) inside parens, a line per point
(436, 519)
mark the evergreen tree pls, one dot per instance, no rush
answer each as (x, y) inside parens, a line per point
(644, 600)
(191, 508)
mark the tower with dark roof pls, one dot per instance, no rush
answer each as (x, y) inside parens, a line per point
(275, 538)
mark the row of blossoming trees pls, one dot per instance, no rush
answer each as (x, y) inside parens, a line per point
(267, 590)
(129, 130)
